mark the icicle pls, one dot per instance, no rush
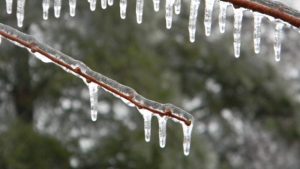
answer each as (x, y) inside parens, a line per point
(156, 5)
(169, 13)
(187, 132)
(238, 18)
(257, 31)
(0, 39)
(278, 39)
(162, 123)
(57, 8)
(72, 6)
(209, 6)
(46, 6)
(123, 6)
(93, 90)
(9, 4)
(20, 12)
(177, 7)
(104, 4)
(110, 2)
(139, 11)
(93, 5)
(193, 19)
(147, 115)
(222, 16)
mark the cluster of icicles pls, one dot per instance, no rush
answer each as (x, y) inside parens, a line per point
(171, 7)
(129, 96)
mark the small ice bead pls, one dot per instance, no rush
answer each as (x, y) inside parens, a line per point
(209, 5)
(177, 7)
(104, 4)
(169, 13)
(57, 8)
(20, 12)
(238, 18)
(193, 19)
(9, 4)
(46, 6)
(257, 31)
(277, 40)
(72, 6)
(156, 5)
(110, 2)
(123, 6)
(93, 90)
(187, 133)
(162, 122)
(139, 11)
(222, 16)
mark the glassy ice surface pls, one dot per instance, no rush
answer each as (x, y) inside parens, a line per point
(72, 7)
(222, 15)
(193, 19)
(156, 5)
(257, 31)
(277, 40)
(162, 133)
(20, 12)
(57, 8)
(9, 4)
(238, 18)
(41, 57)
(93, 90)
(147, 115)
(209, 6)
(139, 11)
(177, 7)
(46, 6)
(169, 13)
(123, 6)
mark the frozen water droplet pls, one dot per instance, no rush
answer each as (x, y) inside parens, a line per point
(57, 8)
(104, 4)
(222, 15)
(123, 6)
(257, 31)
(93, 90)
(177, 7)
(238, 18)
(162, 122)
(9, 4)
(169, 13)
(72, 6)
(46, 6)
(277, 39)
(193, 19)
(147, 115)
(93, 4)
(156, 5)
(139, 11)
(20, 12)
(209, 6)
(187, 132)
(110, 2)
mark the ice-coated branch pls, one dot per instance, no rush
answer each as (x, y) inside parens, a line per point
(146, 107)
(270, 8)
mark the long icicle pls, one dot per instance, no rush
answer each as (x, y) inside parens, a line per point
(72, 6)
(156, 5)
(238, 18)
(193, 19)
(222, 15)
(123, 7)
(162, 124)
(209, 6)
(169, 13)
(9, 4)
(257, 31)
(139, 11)
(177, 7)
(187, 132)
(277, 40)
(46, 6)
(57, 8)
(93, 90)
(20, 12)
(147, 115)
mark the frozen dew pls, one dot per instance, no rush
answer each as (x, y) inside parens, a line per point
(147, 115)
(277, 39)
(177, 7)
(9, 4)
(162, 123)
(156, 5)
(103, 4)
(139, 11)
(238, 18)
(257, 31)
(93, 90)
(93, 4)
(193, 19)
(72, 6)
(20, 12)
(169, 13)
(57, 8)
(46, 6)
(110, 2)
(209, 6)
(187, 132)
(222, 15)
(123, 6)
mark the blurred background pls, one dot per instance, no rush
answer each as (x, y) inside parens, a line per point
(246, 110)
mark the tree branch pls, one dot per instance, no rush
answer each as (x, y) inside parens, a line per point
(79, 69)
(271, 8)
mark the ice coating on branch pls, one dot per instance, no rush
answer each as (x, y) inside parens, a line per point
(169, 13)
(93, 5)
(209, 6)
(139, 11)
(93, 90)
(46, 6)
(222, 15)
(257, 31)
(110, 2)
(9, 4)
(238, 18)
(41, 57)
(156, 5)
(162, 131)
(193, 19)
(72, 6)
(57, 8)
(104, 4)
(177, 7)
(187, 133)
(147, 115)
(277, 40)
(123, 6)
(20, 12)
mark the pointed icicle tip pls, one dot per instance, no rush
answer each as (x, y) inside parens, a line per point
(257, 31)
(72, 6)
(104, 4)
(147, 115)
(194, 5)
(177, 7)
(222, 16)
(93, 90)
(238, 18)
(187, 133)
(277, 39)
(209, 6)
(156, 5)
(110, 2)
(123, 6)
(46, 6)
(20, 12)
(169, 13)
(162, 123)
(9, 4)
(57, 8)
(139, 11)
(93, 4)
